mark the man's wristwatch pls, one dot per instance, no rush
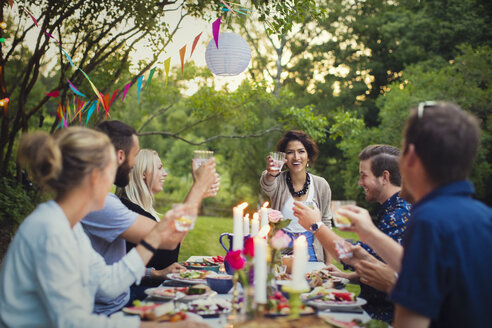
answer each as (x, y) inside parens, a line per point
(315, 226)
(148, 272)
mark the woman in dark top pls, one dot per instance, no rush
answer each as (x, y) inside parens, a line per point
(146, 180)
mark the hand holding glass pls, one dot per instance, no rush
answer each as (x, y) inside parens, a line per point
(187, 221)
(201, 156)
(278, 160)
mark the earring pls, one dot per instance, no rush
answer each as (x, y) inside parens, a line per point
(307, 164)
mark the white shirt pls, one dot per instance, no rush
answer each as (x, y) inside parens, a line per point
(51, 274)
(288, 213)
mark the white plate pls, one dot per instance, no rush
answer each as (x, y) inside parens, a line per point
(321, 305)
(187, 298)
(177, 277)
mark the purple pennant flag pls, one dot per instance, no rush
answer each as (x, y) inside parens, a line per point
(215, 31)
(126, 90)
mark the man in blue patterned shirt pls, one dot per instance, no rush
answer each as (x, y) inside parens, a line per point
(380, 177)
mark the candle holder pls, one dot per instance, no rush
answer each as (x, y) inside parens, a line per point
(295, 300)
(235, 316)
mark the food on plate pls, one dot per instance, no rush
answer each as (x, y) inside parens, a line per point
(214, 259)
(194, 274)
(331, 295)
(278, 304)
(283, 276)
(176, 292)
(156, 311)
(324, 274)
(207, 307)
(285, 322)
(198, 264)
(198, 289)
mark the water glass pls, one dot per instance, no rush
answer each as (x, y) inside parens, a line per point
(342, 248)
(278, 160)
(201, 156)
(341, 221)
(187, 221)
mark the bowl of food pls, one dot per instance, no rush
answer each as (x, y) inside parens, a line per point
(220, 283)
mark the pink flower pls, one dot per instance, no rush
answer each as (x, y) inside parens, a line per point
(280, 240)
(249, 247)
(274, 216)
(235, 260)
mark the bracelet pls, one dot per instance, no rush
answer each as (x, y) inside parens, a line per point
(148, 246)
(275, 176)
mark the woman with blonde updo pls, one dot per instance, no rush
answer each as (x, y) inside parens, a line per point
(146, 180)
(51, 274)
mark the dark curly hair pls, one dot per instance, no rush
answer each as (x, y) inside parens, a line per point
(308, 143)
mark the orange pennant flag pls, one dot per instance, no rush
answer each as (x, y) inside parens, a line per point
(182, 52)
(195, 43)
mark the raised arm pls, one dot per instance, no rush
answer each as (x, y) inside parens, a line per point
(386, 247)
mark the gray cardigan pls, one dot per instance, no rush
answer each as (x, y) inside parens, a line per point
(278, 191)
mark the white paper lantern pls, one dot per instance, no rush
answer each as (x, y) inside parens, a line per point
(231, 58)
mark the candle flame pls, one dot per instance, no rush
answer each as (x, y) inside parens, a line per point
(265, 230)
(265, 204)
(246, 216)
(255, 216)
(242, 206)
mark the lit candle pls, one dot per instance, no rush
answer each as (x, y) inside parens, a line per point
(300, 262)
(238, 239)
(246, 225)
(264, 215)
(255, 225)
(260, 263)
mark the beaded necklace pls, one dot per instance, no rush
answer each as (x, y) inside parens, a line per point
(301, 192)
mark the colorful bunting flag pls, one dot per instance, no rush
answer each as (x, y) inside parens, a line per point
(32, 17)
(167, 64)
(215, 31)
(194, 43)
(230, 9)
(74, 89)
(125, 91)
(151, 73)
(182, 53)
(91, 110)
(139, 85)
(68, 58)
(113, 96)
(11, 3)
(53, 94)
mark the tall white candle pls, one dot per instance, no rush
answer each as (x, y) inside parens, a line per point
(246, 225)
(260, 270)
(238, 239)
(300, 262)
(255, 225)
(263, 216)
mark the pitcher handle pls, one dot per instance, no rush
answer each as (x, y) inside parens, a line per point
(222, 243)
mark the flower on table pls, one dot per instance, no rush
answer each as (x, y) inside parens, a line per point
(235, 259)
(274, 216)
(280, 240)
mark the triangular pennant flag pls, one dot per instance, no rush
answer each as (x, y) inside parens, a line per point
(91, 110)
(215, 31)
(194, 43)
(106, 103)
(125, 91)
(151, 73)
(182, 52)
(113, 96)
(68, 58)
(74, 89)
(93, 87)
(32, 17)
(59, 111)
(230, 9)
(167, 64)
(53, 94)
(98, 105)
(11, 3)
(139, 85)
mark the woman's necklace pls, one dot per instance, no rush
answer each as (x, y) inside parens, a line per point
(291, 187)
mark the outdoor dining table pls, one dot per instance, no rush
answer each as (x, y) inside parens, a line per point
(221, 321)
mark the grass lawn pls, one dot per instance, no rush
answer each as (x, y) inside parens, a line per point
(204, 240)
